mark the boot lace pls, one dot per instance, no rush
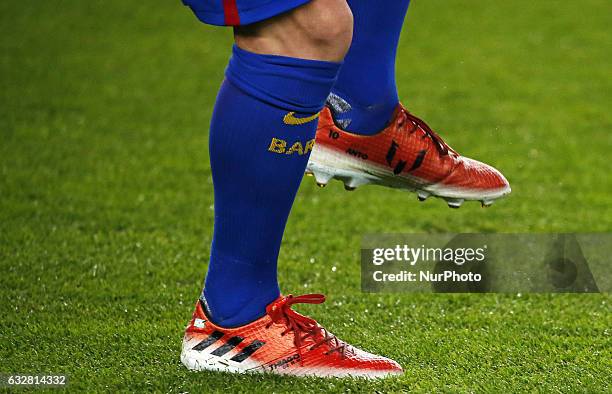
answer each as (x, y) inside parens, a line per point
(304, 327)
(406, 117)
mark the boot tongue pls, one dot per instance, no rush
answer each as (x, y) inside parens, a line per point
(396, 112)
(275, 308)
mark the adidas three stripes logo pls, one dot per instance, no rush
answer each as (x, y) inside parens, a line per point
(231, 343)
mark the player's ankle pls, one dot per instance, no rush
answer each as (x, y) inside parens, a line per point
(229, 307)
(362, 118)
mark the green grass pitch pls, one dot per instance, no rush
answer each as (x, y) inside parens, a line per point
(106, 196)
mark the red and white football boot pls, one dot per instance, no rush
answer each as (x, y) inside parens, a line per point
(407, 154)
(281, 342)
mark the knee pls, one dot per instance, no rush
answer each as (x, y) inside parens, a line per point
(318, 30)
(327, 26)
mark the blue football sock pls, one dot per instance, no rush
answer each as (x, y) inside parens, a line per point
(261, 135)
(367, 79)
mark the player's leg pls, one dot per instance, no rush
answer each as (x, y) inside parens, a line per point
(367, 137)
(261, 135)
(367, 79)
